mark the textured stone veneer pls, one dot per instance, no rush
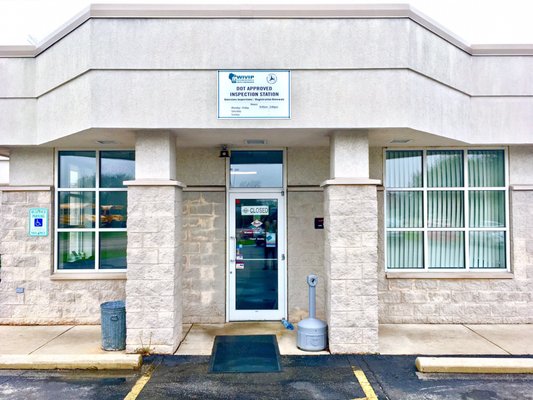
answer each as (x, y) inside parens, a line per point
(27, 263)
(305, 253)
(153, 288)
(351, 267)
(204, 257)
(473, 301)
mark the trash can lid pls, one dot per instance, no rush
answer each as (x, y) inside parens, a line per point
(112, 305)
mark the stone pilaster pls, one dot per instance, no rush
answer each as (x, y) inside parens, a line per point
(154, 285)
(351, 260)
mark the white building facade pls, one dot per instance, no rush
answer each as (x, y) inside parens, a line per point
(387, 157)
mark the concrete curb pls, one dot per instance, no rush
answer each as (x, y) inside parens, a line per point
(87, 361)
(475, 365)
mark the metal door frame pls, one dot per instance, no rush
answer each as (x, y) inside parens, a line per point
(257, 193)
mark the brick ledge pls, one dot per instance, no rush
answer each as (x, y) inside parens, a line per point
(155, 182)
(25, 188)
(519, 188)
(79, 276)
(351, 181)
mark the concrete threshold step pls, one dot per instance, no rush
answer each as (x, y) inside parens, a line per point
(475, 365)
(86, 361)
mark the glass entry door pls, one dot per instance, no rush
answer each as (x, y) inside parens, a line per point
(257, 257)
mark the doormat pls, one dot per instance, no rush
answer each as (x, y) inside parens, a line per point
(245, 353)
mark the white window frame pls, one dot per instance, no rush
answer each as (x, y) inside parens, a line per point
(466, 229)
(97, 189)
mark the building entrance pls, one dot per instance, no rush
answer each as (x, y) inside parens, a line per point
(256, 237)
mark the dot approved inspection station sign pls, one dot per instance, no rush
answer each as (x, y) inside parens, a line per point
(254, 94)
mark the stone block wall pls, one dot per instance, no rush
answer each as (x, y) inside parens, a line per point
(305, 253)
(204, 257)
(153, 288)
(27, 262)
(473, 301)
(351, 268)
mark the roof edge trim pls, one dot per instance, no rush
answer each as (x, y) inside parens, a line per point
(262, 11)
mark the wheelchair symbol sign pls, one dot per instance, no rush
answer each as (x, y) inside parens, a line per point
(38, 225)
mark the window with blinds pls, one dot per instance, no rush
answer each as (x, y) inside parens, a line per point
(446, 209)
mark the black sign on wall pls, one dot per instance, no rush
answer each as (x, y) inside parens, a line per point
(319, 223)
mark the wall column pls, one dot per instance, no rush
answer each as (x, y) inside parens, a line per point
(154, 285)
(351, 238)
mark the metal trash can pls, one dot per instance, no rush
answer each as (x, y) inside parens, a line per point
(113, 319)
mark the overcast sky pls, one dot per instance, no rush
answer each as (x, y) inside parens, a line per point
(475, 21)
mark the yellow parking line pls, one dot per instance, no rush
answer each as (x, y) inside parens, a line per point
(139, 385)
(365, 385)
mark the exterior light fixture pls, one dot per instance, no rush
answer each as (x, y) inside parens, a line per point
(224, 152)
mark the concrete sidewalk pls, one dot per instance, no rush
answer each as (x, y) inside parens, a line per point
(401, 339)
(73, 341)
(456, 339)
(59, 347)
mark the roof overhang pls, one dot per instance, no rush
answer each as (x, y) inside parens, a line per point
(263, 11)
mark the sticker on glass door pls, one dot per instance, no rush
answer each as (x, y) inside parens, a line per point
(257, 265)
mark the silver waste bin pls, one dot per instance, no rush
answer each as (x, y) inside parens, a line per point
(113, 319)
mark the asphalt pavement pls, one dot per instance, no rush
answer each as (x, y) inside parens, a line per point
(66, 384)
(396, 378)
(302, 377)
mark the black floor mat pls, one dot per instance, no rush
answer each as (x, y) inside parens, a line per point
(245, 353)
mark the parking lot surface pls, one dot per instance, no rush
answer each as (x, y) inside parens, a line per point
(302, 377)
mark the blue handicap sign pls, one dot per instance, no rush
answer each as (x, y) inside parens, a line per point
(38, 222)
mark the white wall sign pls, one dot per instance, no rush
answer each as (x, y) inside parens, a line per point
(38, 222)
(254, 94)
(254, 210)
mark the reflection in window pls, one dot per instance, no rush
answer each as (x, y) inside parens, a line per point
(76, 209)
(486, 168)
(445, 168)
(404, 169)
(487, 249)
(116, 167)
(404, 209)
(77, 169)
(113, 250)
(82, 243)
(487, 208)
(445, 209)
(76, 250)
(446, 249)
(256, 252)
(405, 249)
(256, 169)
(113, 207)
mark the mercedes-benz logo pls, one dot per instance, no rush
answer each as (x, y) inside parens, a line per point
(272, 78)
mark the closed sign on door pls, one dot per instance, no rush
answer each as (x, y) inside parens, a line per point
(254, 210)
